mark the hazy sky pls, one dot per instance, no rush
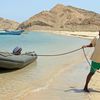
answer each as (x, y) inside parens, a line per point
(20, 10)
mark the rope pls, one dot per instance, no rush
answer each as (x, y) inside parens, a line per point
(5, 54)
(69, 53)
(88, 60)
(62, 53)
(86, 57)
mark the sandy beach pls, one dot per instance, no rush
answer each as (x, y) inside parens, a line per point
(68, 83)
(46, 47)
(68, 86)
(86, 35)
(63, 81)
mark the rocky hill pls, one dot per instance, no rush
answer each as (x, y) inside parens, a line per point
(8, 24)
(63, 18)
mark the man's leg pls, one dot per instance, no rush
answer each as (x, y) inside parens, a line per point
(87, 81)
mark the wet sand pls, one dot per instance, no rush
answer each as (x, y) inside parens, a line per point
(68, 85)
(37, 80)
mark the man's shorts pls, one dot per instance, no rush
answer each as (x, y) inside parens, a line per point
(94, 67)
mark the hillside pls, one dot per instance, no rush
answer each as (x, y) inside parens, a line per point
(63, 18)
(8, 24)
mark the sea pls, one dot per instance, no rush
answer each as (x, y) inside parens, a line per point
(39, 74)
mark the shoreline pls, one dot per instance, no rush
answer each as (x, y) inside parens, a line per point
(85, 35)
(55, 91)
(56, 79)
(31, 94)
(62, 86)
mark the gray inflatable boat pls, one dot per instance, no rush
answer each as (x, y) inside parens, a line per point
(11, 61)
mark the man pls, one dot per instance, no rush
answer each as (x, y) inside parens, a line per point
(95, 60)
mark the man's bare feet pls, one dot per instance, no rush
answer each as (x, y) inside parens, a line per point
(86, 90)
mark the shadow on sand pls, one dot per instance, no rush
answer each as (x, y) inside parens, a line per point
(80, 90)
(4, 70)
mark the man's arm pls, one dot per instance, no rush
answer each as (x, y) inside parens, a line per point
(92, 43)
(85, 46)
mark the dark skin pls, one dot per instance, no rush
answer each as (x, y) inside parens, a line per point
(90, 74)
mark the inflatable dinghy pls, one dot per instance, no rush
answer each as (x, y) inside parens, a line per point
(11, 61)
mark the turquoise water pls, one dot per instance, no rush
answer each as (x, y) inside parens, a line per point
(40, 42)
(39, 74)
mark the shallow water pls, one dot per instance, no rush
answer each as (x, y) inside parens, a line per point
(38, 74)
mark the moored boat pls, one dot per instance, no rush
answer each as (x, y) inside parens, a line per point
(11, 61)
(11, 32)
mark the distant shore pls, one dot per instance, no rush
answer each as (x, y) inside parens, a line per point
(86, 35)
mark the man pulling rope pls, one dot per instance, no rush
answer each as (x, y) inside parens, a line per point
(95, 58)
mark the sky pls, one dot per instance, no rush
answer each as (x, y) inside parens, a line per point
(21, 10)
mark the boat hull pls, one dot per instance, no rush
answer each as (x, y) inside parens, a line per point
(17, 32)
(16, 61)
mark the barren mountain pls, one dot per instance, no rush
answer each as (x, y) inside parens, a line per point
(8, 24)
(63, 18)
